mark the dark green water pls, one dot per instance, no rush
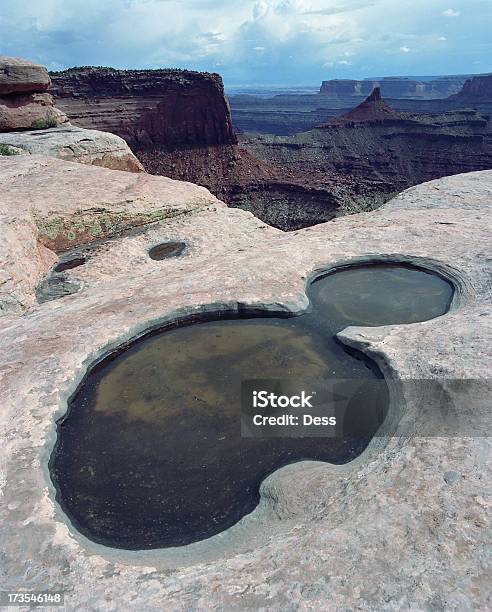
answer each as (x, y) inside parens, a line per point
(165, 250)
(150, 453)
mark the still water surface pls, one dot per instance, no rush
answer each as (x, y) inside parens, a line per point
(150, 453)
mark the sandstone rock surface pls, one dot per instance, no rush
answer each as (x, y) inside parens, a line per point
(29, 111)
(18, 75)
(49, 206)
(389, 531)
(76, 144)
(24, 104)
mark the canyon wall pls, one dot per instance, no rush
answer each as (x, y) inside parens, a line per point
(166, 108)
(179, 125)
(281, 196)
(30, 123)
(385, 151)
(477, 89)
(288, 114)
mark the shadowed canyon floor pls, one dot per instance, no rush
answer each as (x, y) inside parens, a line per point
(403, 525)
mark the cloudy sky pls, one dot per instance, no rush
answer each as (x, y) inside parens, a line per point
(294, 42)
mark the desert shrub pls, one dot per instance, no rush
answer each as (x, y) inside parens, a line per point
(7, 150)
(44, 124)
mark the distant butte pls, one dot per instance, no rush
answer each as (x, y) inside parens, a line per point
(374, 108)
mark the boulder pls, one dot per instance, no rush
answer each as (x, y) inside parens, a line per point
(29, 111)
(75, 144)
(19, 75)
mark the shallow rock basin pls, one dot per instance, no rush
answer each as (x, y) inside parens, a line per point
(165, 250)
(69, 264)
(150, 453)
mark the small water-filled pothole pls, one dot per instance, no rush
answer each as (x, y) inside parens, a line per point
(59, 282)
(150, 453)
(69, 264)
(165, 250)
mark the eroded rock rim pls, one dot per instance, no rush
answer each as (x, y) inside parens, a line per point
(313, 520)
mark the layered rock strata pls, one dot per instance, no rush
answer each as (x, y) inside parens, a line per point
(374, 108)
(168, 108)
(404, 526)
(386, 151)
(30, 123)
(394, 87)
(179, 125)
(280, 195)
(476, 90)
(285, 114)
(24, 103)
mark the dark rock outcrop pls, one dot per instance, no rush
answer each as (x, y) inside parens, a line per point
(171, 109)
(282, 197)
(374, 108)
(382, 150)
(179, 125)
(289, 114)
(477, 89)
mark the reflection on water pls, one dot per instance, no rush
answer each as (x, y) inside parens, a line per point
(150, 453)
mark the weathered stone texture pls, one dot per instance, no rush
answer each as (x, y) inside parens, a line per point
(389, 531)
(18, 75)
(76, 144)
(166, 108)
(29, 111)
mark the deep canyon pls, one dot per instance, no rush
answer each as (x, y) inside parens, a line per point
(179, 124)
(164, 278)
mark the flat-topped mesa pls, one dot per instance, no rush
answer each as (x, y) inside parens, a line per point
(476, 89)
(166, 108)
(374, 108)
(394, 87)
(24, 103)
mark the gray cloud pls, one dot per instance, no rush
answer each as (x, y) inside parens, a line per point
(255, 41)
(338, 9)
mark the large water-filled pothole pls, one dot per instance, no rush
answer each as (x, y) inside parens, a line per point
(150, 452)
